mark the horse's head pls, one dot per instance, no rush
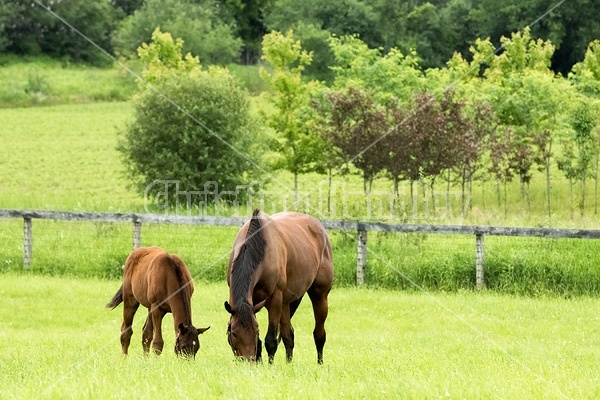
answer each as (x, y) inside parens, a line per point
(242, 333)
(187, 343)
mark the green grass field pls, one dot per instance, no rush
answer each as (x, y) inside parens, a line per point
(42, 81)
(58, 341)
(64, 158)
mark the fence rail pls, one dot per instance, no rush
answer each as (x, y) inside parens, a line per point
(361, 228)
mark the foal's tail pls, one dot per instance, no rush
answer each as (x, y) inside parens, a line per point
(116, 300)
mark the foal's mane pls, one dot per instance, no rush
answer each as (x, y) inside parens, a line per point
(250, 256)
(182, 287)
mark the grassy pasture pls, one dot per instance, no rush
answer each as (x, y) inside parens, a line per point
(58, 341)
(41, 81)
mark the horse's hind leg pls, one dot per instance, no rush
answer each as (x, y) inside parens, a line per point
(130, 306)
(157, 317)
(147, 333)
(318, 296)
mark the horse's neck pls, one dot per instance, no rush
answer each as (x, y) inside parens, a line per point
(181, 313)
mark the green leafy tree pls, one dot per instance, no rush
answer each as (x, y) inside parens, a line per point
(201, 26)
(295, 143)
(28, 28)
(186, 124)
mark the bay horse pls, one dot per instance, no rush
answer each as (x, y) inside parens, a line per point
(276, 260)
(162, 283)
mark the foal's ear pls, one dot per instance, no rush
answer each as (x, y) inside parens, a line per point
(228, 308)
(202, 330)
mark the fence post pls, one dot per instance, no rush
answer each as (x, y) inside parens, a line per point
(27, 242)
(137, 233)
(479, 252)
(361, 257)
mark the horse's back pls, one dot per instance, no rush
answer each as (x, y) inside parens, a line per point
(150, 271)
(308, 250)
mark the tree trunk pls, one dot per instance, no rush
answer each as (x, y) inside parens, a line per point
(548, 188)
(483, 193)
(413, 203)
(522, 191)
(295, 190)
(365, 183)
(448, 193)
(498, 192)
(462, 184)
(505, 200)
(571, 196)
(470, 193)
(582, 195)
(528, 199)
(596, 187)
(329, 192)
(432, 195)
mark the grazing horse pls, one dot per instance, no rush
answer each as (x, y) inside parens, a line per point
(162, 283)
(276, 260)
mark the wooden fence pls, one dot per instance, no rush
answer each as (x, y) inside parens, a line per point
(361, 229)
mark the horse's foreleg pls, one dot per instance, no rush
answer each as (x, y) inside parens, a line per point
(287, 331)
(259, 350)
(157, 317)
(147, 333)
(274, 308)
(320, 309)
(130, 306)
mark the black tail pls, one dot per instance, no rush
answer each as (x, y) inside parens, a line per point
(117, 299)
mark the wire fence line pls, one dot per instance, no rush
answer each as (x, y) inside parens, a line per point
(360, 227)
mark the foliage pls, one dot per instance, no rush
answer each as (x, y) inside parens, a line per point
(26, 28)
(188, 124)
(204, 32)
(294, 142)
(391, 77)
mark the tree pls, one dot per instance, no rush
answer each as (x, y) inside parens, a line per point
(249, 24)
(28, 28)
(357, 125)
(187, 124)
(287, 93)
(583, 122)
(204, 31)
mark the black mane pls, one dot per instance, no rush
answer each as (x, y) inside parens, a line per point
(250, 256)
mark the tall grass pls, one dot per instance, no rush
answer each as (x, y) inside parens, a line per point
(58, 341)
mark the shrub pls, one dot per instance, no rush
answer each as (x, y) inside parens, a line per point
(188, 125)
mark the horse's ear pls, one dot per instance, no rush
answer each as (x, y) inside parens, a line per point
(258, 306)
(202, 330)
(228, 308)
(182, 328)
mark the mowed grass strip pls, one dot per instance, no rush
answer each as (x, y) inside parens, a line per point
(58, 341)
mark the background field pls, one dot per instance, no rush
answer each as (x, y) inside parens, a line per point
(64, 158)
(58, 341)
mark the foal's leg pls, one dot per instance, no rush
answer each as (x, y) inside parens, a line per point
(157, 317)
(130, 306)
(274, 308)
(318, 296)
(147, 333)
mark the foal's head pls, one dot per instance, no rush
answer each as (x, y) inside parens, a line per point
(187, 343)
(242, 333)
